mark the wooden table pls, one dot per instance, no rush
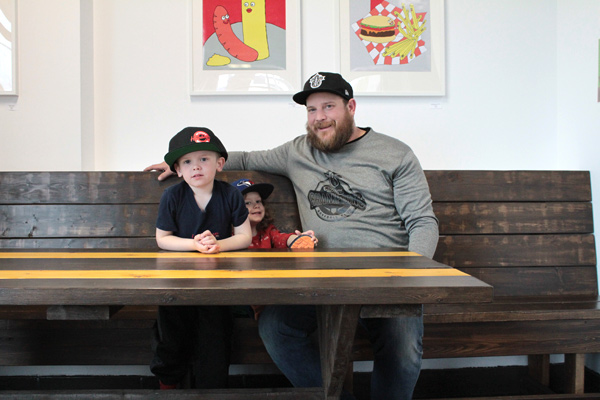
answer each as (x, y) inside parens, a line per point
(342, 284)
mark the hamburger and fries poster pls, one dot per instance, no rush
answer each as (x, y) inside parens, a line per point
(390, 34)
(393, 46)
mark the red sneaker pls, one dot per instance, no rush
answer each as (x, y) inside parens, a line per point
(164, 386)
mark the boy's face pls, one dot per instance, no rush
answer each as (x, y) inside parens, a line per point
(199, 168)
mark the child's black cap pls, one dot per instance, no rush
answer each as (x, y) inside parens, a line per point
(193, 139)
(324, 82)
(245, 185)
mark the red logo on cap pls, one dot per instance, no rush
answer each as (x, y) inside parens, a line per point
(200, 137)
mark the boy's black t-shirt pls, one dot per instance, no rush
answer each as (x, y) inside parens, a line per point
(179, 213)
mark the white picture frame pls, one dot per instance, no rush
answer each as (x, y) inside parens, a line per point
(8, 48)
(278, 73)
(362, 62)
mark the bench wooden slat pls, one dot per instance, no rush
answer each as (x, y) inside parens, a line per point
(516, 250)
(539, 281)
(490, 339)
(187, 394)
(481, 218)
(80, 243)
(80, 187)
(514, 309)
(509, 185)
(138, 220)
(108, 187)
(98, 220)
(95, 220)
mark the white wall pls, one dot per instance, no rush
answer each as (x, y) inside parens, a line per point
(42, 131)
(104, 85)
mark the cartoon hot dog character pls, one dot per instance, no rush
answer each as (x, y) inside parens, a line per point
(227, 38)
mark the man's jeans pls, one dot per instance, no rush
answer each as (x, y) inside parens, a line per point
(287, 332)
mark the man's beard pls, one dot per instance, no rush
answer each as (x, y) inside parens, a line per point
(342, 133)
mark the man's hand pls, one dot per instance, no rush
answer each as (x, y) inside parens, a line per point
(166, 171)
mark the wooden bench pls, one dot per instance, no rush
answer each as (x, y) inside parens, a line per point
(527, 233)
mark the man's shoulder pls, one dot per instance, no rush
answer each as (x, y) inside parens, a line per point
(387, 140)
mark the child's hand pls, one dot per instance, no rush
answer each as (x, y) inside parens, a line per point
(309, 233)
(206, 243)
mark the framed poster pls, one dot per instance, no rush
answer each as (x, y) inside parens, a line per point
(8, 47)
(245, 47)
(393, 47)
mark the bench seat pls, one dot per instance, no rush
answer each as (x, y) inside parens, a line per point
(529, 234)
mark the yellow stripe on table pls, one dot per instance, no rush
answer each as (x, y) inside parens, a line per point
(225, 274)
(276, 254)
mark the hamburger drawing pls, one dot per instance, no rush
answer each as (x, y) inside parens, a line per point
(377, 28)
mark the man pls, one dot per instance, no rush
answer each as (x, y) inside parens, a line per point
(354, 187)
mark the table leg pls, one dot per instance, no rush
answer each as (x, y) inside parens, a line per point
(337, 327)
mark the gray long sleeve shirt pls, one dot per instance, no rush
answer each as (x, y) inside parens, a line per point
(371, 193)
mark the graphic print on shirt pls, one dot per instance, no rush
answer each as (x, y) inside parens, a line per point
(334, 200)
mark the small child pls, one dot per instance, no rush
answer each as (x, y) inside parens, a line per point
(264, 234)
(206, 215)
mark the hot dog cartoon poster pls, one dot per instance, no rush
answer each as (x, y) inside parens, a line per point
(389, 35)
(249, 34)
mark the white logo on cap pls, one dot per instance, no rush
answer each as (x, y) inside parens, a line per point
(316, 80)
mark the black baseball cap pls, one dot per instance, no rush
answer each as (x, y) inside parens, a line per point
(324, 82)
(193, 139)
(245, 185)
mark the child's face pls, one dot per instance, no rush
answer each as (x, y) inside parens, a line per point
(256, 208)
(199, 168)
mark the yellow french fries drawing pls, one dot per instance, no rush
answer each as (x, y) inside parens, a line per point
(411, 32)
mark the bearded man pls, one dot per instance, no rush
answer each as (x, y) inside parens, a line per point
(354, 187)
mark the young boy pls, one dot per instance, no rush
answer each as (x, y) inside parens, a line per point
(206, 215)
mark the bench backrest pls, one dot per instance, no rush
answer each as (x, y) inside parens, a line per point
(528, 233)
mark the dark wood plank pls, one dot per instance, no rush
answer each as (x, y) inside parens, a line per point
(514, 309)
(40, 342)
(516, 250)
(63, 313)
(95, 220)
(81, 187)
(477, 218)
(509, 185)
(187, 394)
(115, 243)
(336, 331)
(512, 338)
(540, 281)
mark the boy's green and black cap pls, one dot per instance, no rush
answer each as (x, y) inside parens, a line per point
(324, 82)
(193, 139)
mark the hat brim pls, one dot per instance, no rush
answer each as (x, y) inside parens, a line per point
(263, 189)
(301, 97)
(172, 156)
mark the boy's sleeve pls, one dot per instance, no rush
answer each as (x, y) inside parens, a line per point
(166, 217)
(239, 211)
